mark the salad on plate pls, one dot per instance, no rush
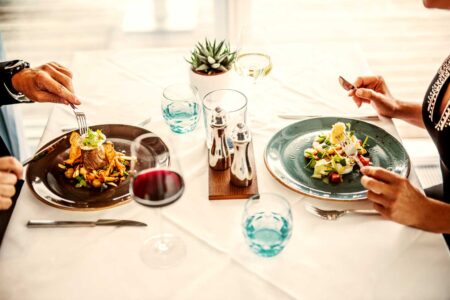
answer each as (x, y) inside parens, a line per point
(327, 157)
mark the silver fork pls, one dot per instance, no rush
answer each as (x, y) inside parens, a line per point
(81, 119)
(335, 214)
(349, 148)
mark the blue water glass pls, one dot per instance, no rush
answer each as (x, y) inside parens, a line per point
(180, 107)
(267, 224)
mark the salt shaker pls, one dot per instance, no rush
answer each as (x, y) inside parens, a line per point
(219, 153)
(241, 169)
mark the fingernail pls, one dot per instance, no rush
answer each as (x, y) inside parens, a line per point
(359, 92)
(363, 170)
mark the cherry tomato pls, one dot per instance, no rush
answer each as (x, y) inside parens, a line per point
(335, 177)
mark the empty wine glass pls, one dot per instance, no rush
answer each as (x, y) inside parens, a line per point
(156, 182)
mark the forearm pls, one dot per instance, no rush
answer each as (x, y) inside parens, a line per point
(436, 217)
(410, 112)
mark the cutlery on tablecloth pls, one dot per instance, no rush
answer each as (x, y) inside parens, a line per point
(100, 222)
(43, 152)
(140, 124)
(302, 116)
(346, 84)
(335, 214)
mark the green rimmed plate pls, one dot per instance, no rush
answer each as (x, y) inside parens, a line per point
(285, 161)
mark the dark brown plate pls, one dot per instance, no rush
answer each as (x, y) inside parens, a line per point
(48, 183)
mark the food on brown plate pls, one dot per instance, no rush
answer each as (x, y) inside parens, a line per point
(93, 161)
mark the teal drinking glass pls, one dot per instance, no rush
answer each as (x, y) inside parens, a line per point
(180, 107)
(267, 224)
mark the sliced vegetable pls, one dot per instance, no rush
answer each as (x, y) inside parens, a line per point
(335, 177)
(364, 160)
(365, 141)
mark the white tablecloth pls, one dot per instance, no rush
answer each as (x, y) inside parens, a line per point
(356, 257)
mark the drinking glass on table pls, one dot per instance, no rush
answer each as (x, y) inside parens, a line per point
(156, 182)
(180, 107)
(231, 101)
(267, 224)
(253, 60)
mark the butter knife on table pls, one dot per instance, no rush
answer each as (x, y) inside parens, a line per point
(303, 116)
(99, 222)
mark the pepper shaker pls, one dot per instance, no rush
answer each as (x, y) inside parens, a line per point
(219, 153)
(241, 169)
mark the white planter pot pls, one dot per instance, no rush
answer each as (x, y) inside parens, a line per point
(209, 83)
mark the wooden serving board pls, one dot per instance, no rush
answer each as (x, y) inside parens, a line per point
(220, 187)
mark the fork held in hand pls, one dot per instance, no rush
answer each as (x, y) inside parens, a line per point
(335, 214)
(350, 150)
(81, 119)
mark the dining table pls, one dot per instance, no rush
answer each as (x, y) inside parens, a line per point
(354, 257)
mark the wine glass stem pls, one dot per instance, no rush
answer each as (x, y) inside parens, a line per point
(161, 245)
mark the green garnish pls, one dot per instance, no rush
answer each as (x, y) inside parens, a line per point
(309, 153)
(81, 182)
(343, 162)
(93, 138)
(365, 141)
(320, 154)
(321, 138)
(349, 126)
(311, 164)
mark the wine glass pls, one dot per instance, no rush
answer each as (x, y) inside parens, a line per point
(253, 60)
(157, 181)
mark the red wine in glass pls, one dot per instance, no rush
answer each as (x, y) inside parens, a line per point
(157, 187)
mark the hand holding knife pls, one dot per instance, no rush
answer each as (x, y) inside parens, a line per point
(346, 84)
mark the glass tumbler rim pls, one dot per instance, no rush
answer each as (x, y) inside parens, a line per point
(221, 90)
(183, 99)
(282, 199)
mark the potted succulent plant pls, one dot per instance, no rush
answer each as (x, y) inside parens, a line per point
(210, 62)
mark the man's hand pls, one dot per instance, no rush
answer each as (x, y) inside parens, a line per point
(48, 83)
(10, 172)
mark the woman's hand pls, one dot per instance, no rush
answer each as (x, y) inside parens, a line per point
(374, 90)
(10, 172)
(394, 197)
(48, 83)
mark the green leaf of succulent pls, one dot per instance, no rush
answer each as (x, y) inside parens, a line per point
(202, 68)
(223, 69)
(212, 57)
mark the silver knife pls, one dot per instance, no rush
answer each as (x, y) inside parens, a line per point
(100, 222)
(302, 116)
(43, 152)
